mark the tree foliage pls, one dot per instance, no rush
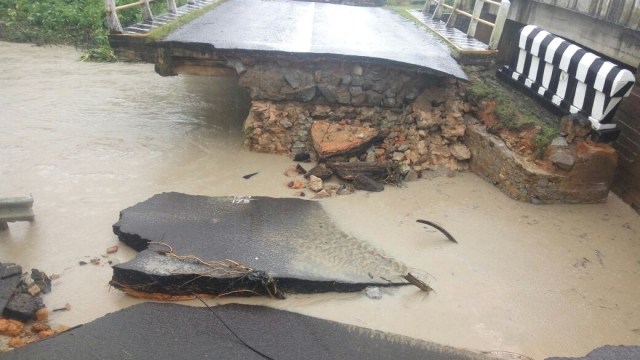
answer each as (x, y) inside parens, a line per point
(80, 23)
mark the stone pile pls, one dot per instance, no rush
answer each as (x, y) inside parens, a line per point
(420, 128)
(21, 303)
(21, 293)
(421, 124)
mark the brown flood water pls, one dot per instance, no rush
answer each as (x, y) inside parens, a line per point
(88, 140)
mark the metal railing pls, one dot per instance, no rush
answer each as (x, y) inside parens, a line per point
(501, 17)
(113, 23)
(15, 209)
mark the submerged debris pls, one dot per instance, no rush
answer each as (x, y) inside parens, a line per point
(300, 170)
(23, 316)
(363, 182)
(373, 292)
(20, 294)
(67, 307)
(445, 232)
(112, 249)
(302, 157)
(417, 282)
(249, 176)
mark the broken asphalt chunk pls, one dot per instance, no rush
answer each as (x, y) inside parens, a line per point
(170, 331)
(8, 270)
(8, 284)
(41, 280)
(23, 307)
(210, 245)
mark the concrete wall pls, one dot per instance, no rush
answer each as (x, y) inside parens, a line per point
(611, 28)
(620, 12)
(608, 27)
(627, 180)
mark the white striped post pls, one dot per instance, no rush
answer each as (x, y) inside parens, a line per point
(569, 77)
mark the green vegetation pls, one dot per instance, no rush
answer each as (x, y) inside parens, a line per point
(544, 138)
(513, 111)
(402, 8)
(80, 23)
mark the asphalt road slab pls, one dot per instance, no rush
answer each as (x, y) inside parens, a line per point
(169, 331)
(319, 28)
(608, 352)
(292, 241)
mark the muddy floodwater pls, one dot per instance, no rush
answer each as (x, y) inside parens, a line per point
(87, 140)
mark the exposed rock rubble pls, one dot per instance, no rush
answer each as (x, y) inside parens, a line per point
(23, 316)
(421, 124)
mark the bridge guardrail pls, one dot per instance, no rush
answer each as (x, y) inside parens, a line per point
(569, 77)
(111, 10)
(501, 17)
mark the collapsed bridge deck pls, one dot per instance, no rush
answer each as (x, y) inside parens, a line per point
(315, 29)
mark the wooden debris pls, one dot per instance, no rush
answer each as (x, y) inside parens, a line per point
(349, 170)
(442, 230)
(363, 182)
(249, 176)
(67, 307)
(300, 170)
(320, 171)
(417, 282)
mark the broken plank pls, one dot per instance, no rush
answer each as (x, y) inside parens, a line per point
(349, 170)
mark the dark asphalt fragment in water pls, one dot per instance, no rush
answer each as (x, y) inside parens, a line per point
(249, 176)
(243, 246)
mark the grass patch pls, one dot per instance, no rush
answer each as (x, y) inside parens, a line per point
(514, 111)
(544, 138)
(403, 10)
(79, 23)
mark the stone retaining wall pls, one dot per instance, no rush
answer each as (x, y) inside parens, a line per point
(588, 181)
(343, 83)
(419, 116)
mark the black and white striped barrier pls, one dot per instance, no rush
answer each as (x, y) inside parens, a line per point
(569, 77)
